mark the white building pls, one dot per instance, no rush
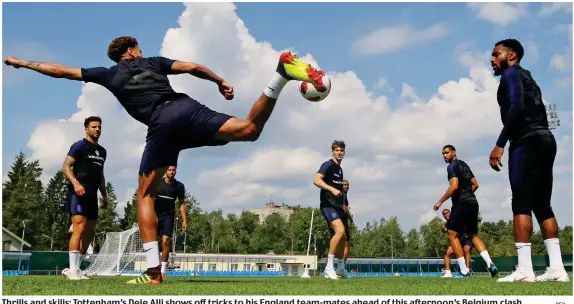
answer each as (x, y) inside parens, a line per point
(271, 208)
(11, 242)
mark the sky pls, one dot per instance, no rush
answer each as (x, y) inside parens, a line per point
(407, 79)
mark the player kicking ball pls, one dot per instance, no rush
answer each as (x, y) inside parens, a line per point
(175, 121)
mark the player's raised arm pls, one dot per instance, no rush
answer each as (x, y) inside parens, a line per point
(195, 69)
(47, 68)
(200, 71)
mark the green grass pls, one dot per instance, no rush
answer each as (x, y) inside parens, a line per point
(476, 285)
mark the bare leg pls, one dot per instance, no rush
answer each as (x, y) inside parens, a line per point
(466, 250)
(248, 129)
(165, 240)
(147, 219)
(447, 255)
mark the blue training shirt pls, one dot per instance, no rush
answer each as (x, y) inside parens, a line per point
(333, 176)
(462, 171)
(89, 164)
(139, 84)
(521, 108)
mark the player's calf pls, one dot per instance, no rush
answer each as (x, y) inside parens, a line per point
(239, 130)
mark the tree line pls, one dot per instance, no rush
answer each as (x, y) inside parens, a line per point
(25, 198)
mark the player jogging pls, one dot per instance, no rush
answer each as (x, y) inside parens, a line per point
(175, 121)
(84, 169)
(464, 216)
(464, 241)
(531, 157)
(169, 190)
(329, 179)
(351, 223)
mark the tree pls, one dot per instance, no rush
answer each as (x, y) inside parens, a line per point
(108, 218)
(56, 223)
(435, 242)
(130, 213)
(22, 201)
(413, 244)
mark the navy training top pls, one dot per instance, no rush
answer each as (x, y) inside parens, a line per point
(461, 170)
(89, 164)
(139, 84)
(166, 196)
(521, 108)
(333, 176)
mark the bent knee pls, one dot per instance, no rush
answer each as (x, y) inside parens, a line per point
(250, 132)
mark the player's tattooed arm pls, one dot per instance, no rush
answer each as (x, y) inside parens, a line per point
(197, 70)
(50, 69)
(67, 170)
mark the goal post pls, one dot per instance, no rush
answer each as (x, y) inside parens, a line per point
(119, 254)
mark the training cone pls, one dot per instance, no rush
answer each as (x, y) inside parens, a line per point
(305, 274)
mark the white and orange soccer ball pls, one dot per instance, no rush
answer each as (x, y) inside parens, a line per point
(65, 271)
(315, 93)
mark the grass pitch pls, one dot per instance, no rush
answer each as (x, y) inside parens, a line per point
(476, 285)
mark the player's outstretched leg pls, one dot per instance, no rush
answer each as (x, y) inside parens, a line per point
(288, 68)
(147, 221)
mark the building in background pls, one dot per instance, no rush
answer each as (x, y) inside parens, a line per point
(271, 208)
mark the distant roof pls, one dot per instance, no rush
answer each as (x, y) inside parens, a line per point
(386, 261)
(15, 236)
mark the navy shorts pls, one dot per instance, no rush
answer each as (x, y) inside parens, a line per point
(331, 213)
(176, 125)
(530, 165)
(165, 223)
(85, 205)
(464, 218)
(464, 241)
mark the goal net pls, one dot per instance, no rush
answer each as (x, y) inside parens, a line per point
(119, 254)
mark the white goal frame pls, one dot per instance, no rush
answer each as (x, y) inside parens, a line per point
(119, 254)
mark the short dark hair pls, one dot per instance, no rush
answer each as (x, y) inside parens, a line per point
(337, 144)
(445, 210)
(450, 147)
(514, 45)
(119, 46)
(90, 119)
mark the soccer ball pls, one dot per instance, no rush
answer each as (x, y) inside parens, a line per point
(316, 93)
(65, 271)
